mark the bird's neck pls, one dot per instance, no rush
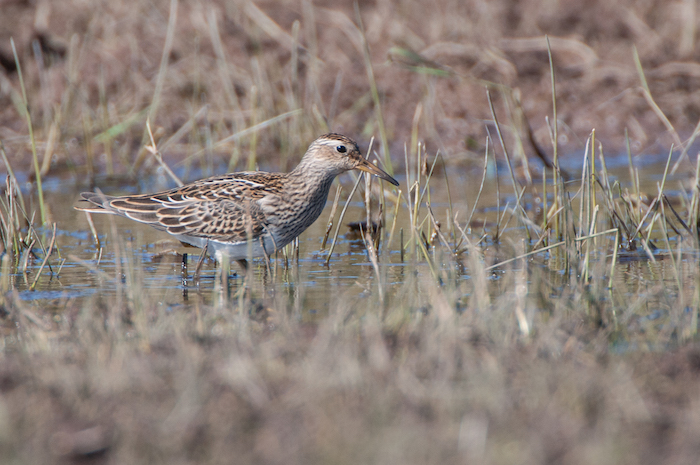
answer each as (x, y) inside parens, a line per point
(309, 180)
(311, 173)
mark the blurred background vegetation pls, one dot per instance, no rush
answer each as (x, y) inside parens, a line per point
(441, 359)
(250, 83)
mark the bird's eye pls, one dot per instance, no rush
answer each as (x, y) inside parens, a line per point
(341, 149)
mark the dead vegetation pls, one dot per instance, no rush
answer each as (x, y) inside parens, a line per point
(562, 330)
(210, 75)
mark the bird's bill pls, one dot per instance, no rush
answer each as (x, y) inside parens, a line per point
(368, 167)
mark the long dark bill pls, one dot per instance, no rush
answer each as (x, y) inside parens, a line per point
(368, 167)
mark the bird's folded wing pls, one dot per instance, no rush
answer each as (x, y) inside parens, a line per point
(227, 208)
(219, 220)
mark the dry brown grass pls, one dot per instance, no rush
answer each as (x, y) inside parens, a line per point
(471, 358)
(137, 383)
(232, 65)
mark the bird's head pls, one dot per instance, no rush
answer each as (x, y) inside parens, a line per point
(337, 153)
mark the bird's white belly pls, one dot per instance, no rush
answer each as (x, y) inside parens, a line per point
(265, 245)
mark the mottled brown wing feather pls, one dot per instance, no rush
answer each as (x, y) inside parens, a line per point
(223, 208)
(219, 220)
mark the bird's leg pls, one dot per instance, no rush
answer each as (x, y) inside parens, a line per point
(244, 264)
(244, 290)
(183, 270)
(200, 262)
(267, 256)
(225, 268)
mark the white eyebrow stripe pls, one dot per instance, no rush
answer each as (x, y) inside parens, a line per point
(332, 142)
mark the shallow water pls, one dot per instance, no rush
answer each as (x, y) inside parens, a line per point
(137, 256)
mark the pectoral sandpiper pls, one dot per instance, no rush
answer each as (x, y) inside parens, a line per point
(248, 213)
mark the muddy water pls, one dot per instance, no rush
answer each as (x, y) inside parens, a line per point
(132, 254)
